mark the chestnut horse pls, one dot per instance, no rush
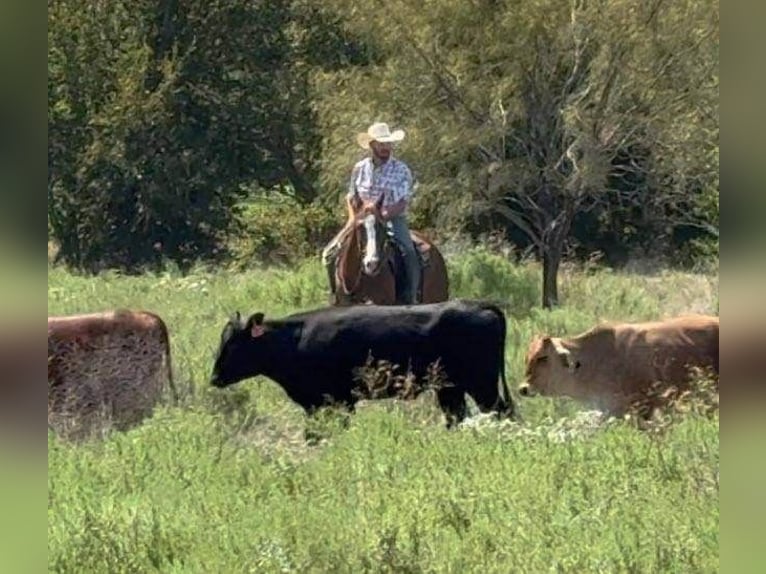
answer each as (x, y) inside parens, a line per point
(369, 264)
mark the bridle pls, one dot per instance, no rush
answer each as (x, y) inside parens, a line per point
(368, 230)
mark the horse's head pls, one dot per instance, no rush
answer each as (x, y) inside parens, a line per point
(371, 234)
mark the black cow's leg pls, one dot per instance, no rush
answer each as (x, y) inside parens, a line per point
(344, 408)
(350, 406)
(489, 402)
(310, 435)
(452, 403)
(484, 390)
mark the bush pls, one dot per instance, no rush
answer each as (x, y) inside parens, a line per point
(696, 253)
(480, 274)
(279, 230)
(153, 130)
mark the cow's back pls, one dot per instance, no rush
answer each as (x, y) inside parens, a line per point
(336, 340)
(665, 350)
(351, 327)
(112, 365)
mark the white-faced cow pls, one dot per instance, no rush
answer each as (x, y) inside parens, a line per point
(113, 363)
(315, 356)
(614, 366)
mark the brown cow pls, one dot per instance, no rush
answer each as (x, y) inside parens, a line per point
(614, 366)
(112, 363)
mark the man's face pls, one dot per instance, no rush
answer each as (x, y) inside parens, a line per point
(380, 150)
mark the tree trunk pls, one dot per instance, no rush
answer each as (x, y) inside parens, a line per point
(305, 193)
(162, 41)
(551, 261)
(553, 250)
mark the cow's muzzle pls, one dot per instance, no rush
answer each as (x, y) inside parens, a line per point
(525, 390)
(217, 381)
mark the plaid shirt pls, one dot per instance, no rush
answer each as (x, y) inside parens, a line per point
(393, 179)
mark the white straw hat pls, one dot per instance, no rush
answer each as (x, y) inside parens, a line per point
(379, 132)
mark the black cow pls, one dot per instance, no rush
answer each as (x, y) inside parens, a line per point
(315, 355)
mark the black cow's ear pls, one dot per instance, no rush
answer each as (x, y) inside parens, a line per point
(255, 324)
(254, 319)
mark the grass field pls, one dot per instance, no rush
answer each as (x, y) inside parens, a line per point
(224, 482)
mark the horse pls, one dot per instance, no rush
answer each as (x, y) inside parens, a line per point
(369, 265)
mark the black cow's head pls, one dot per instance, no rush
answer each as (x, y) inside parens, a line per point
(241, 353)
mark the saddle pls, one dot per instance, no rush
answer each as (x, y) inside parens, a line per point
(422, 245)
(394, 255)
(422, 248)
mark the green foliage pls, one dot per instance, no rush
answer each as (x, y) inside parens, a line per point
(275, 229)
(183, 495)
(325, 42)
(480, 274)
(161, 114)
(226, 481)
(530, 113)
(157, 114)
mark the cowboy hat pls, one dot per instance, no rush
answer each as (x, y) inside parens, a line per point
(379, 132)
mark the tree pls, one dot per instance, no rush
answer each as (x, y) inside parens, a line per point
(537, 111)
(159, 113)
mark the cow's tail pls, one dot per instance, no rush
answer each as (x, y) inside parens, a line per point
(503, 332)
(165, 339)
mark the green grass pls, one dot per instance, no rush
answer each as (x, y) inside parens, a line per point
(226, 483)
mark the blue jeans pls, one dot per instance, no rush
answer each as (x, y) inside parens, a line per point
(398, 227)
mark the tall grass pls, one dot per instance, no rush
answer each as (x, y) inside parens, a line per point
(225, 482)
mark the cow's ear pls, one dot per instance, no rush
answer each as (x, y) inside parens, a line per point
(255, 325)
(563, 353)
(550, 346)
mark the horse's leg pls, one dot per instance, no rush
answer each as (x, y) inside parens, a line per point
(435, 279)
(388, 287)
(330, 260)
(331, 271)
(381, 289)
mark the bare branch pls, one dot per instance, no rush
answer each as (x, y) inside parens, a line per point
(444, 78)
(486, 154)
(512, 216)
(527, 199)
(606, 92)
(579, 46)
(653, 11)
(707, 227)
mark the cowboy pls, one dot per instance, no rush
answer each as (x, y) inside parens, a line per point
(382, 174)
